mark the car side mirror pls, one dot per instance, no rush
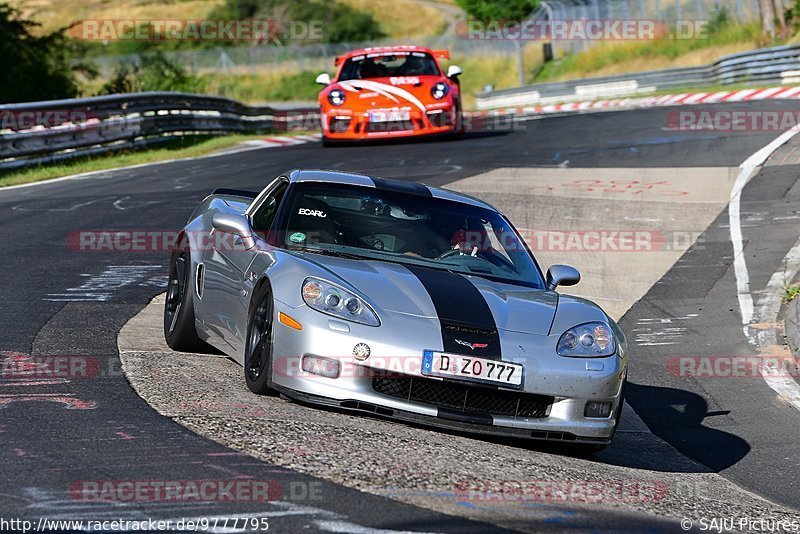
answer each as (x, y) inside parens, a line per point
(238, 225)
(324, 79)
(562, 275)
(453, 71)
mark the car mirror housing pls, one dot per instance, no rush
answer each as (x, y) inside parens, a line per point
(453, 71)
(238, 225)
(324, 79)
(562, 275)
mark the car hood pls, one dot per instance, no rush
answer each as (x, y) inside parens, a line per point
(394, 92)
(424, 292)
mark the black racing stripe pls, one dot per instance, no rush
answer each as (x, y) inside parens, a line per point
(464, 315)
(397, 186)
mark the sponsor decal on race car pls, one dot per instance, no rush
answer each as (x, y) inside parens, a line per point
(404, 80)
(312, 213)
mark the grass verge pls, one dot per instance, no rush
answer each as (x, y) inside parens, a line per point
(791, 292)
(620, 58)
(179, 147)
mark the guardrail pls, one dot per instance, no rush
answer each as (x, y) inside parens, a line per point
(774, 65)
(44, 132)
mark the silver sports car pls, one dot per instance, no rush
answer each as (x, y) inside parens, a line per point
(396, 299)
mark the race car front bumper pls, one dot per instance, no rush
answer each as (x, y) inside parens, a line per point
(317, 365)
(340, 124)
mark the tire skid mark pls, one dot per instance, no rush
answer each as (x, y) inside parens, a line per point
(101, 287)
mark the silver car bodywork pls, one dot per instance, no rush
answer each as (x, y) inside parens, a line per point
(529, 323)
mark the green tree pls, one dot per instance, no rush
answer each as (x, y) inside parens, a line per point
(34, 67)
(486, 10)
(508, 11)
(340, 22)
(155, 73)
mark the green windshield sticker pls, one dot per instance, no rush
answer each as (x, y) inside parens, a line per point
(297, 237)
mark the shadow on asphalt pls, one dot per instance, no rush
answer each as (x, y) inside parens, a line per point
(671, 414)
(443, 138)
(681, 418)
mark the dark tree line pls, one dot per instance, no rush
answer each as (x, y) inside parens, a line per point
(33, 66)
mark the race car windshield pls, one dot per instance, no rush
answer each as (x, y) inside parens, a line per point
(389, 65)
(368, 223)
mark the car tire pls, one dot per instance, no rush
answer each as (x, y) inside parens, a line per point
(179, 328)
(259, 345)
(460, 127)
(326, 142)
(459, 130)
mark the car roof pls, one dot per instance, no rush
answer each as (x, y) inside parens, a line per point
(407, 187)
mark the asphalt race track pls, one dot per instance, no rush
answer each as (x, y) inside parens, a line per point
(57, 301)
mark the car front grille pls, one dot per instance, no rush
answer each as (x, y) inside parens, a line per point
(440, 119)
(393, 126)
(463, 398)
(338, 125)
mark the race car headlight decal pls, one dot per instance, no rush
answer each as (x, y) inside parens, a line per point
(338, 302)
(439, 90)
(588, 340)
(336, 97)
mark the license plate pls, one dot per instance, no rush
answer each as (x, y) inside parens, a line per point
(472, 369)
(389, 116)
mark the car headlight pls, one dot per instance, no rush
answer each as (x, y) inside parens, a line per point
(588, 340)
(336, 97)
(338, 302)
(439, 90)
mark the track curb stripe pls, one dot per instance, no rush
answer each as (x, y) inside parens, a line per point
(742, 95)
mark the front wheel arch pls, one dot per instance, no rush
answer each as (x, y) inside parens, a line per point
(179, 314)
(262, 302)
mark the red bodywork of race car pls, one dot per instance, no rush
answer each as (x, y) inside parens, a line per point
(394, 91)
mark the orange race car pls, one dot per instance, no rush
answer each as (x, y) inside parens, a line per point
(393, 91)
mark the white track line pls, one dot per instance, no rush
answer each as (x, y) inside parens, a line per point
(769, 305)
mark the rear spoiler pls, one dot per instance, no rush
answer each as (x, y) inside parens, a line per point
(438, 54)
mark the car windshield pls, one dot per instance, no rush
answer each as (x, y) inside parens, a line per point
(368, 223)
(389, 65)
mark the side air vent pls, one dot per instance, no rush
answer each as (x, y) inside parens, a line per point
(200, 279)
